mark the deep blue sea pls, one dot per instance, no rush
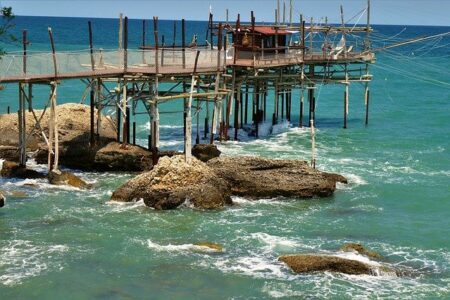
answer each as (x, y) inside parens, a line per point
(64, 243)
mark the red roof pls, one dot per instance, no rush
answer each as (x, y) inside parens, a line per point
(267, 30)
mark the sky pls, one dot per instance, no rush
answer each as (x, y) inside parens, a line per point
(401, 12)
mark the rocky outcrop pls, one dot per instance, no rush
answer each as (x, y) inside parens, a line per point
(12, 169)
(354, 247)
(74, 135)
(73, 126)
(2, 200)
(205, 152)
(9, 153)
(115, 157)
(255, 177)
(306, 263)
(172, 182)
(58, 177)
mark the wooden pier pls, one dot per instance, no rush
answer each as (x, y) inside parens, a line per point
(240, 69)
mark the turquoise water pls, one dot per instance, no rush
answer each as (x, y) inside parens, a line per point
(67, 243)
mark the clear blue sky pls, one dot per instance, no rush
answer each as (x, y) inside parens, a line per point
(405, 12)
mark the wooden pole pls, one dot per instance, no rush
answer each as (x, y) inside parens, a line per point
(183, 42)
(246, 105)
(22, 126)
(91, 115)
(144, 27)
(311, 37)
(125, 44)
(24, 43)
(91, 46)
(290, 12)
(302, 97)
(174, 38)
(125, 112)
(188, 135)
(55, 66)
(155, 32)
(367, 93)
(134, 133)
(236, 110)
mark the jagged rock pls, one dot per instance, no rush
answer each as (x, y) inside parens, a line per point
(2, 200)
(173, 182)
(255, 177)
(12, 169)
(354, 247)
(306, 263)
(205, 152)
(57, 177)
(10, 153)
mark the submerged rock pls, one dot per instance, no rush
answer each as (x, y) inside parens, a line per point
(66, 178)
(256, 177)
(205, 152)
(306, 263)
(13, 169)
(2, 200)
(173, 182)
(354, 247)
(212, 246)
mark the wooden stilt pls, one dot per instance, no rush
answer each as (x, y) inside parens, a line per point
(367, 93)
(22, 126)
(91, 116)
(302, 98)
(188, 135)
(236, 111)
(246, 105)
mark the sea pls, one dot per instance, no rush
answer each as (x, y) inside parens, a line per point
(67, 243)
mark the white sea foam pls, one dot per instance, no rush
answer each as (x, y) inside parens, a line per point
(20, 259)
(275, 242)
(254, 266)
(179, 247)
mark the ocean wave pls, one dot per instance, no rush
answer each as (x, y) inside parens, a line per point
(21, 259)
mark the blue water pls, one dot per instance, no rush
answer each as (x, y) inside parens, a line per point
(67, 243)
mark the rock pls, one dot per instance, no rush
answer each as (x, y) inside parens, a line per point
(74, 135)
(12, 169)
(114, 157)
(212, 246)
(66, 178)
(14, 194)
(173, 182)
(73, 126)
(306, 263)
(10, 153)
(205, 152)
(2, 200)
(255, 177)
(354, 247)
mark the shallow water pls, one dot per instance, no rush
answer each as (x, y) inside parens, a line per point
(68, 243)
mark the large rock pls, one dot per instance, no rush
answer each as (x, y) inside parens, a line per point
(306, 263)
(9, 153)
(114, 157)
(73, 126)
(173, 182)
(256, 177)
(74, 135)
(12, 169)
(2, 200)
(57, 177)
(205, 152)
